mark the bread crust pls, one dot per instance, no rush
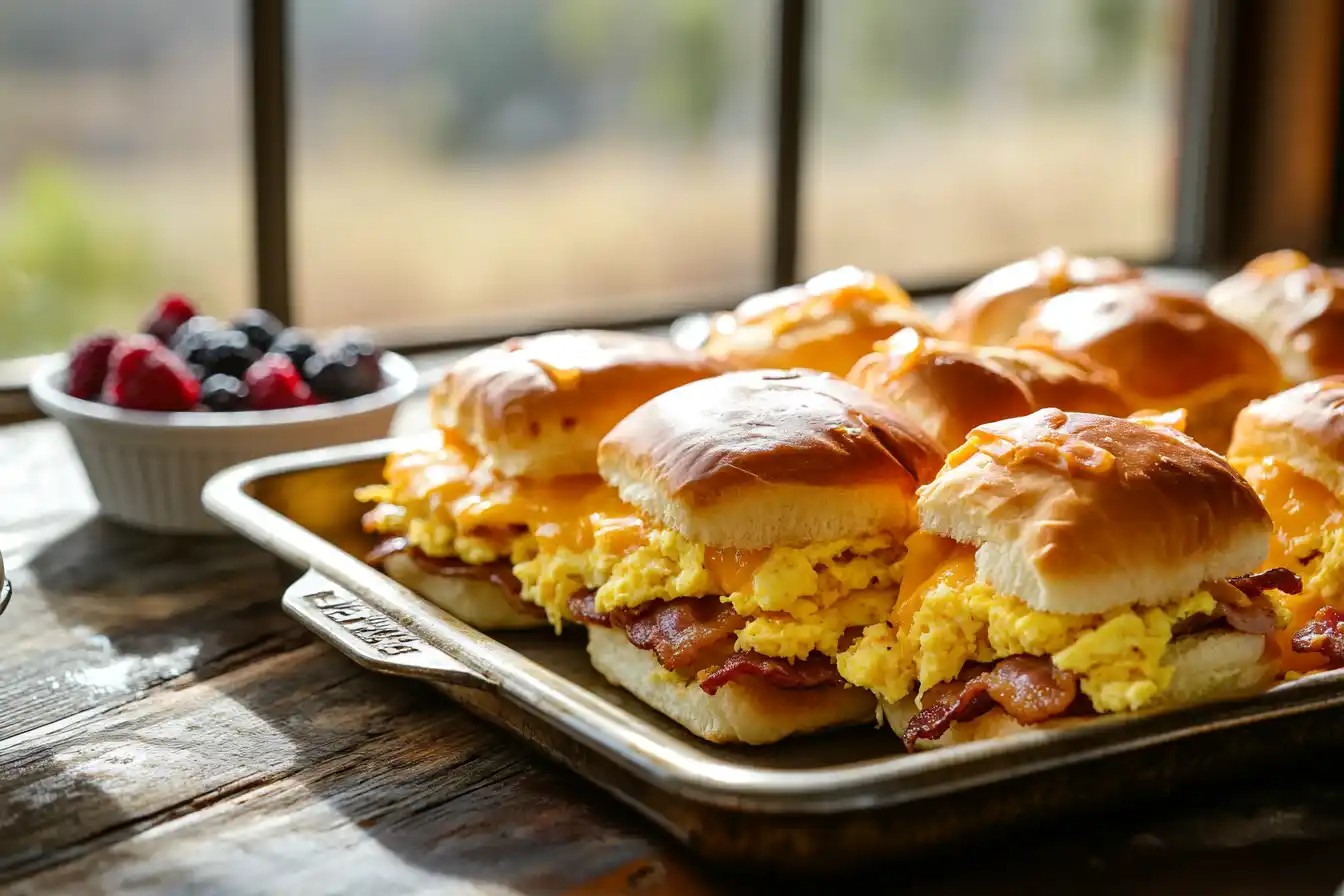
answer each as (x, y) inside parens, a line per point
(537, 406)
(951, 387)
(743, 712)
(1079, 513)
(825, 324)
(990, 310)
(1294, 306)
(478, 603)
(756, 459)
(1168, 350)
(1302, 427)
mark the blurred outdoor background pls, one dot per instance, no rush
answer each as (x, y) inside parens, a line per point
(468, 166)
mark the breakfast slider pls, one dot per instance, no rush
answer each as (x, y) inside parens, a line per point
(512, 471)
(1070, 565)
(1294, 306)
(825, 324)
(990, 310)
(949, 388)
(1168, 350)
(772, 512)
(1290, 448)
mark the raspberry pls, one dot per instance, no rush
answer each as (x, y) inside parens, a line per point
(171, 312)
(88, 366)
(143, 375)
(273, 383)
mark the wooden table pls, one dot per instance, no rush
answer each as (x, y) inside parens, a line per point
(164, 727)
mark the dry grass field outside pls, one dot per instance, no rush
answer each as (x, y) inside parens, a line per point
(609, 231)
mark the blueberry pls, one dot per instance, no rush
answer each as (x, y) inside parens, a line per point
(222, 392)
(221, 351)
(343, 372)
(191, 333)
(260, 327)
(354, 341)
(296, 345)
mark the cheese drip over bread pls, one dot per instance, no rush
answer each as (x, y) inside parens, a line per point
(1307, 540)
(944, 618)
(448, 502)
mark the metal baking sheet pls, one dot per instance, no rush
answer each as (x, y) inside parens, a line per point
(827, 799)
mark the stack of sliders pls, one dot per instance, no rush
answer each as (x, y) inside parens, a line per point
(482, 521)
(1070, 565)
(1290, 448)
(990, 310)
(950, 388)
(1168, 351)
(772, 510)
(825, 324)
(1294, 306)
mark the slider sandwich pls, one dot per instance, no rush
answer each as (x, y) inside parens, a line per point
(1070, 565)
(1290, 448)
(512, 473)
(825, 324)
(772, 508)
(1294, 306)
(950, 388)
(1168, 351)
(990, 310)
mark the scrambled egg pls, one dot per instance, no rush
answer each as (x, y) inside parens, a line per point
(574, 537)
(797, 599)
(1117, 655)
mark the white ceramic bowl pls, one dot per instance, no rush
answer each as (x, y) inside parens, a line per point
(147, 468)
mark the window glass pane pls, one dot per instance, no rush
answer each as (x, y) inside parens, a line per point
(948, 137)
(483, 165)
(121, 164)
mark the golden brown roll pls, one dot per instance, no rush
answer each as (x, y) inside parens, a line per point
(990, 310)
(484, 522)
(1168, 350)
(537, 406)
(825, 324)
(1294, 306)
(949, 388)
(1290, 448)
(1064, 556)
(772, 507)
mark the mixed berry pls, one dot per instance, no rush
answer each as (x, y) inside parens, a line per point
(184, 361)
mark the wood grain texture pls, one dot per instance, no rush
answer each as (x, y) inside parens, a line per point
(165, 728)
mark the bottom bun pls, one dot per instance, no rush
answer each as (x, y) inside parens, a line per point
(746, 711)
(476, 602)
(1211, 665)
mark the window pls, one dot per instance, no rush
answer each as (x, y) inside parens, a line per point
(121, 164)
(487, 164)
(444, 171)
(946, 138)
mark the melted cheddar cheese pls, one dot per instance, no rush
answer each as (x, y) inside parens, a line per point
(944, 618)
(1307, 540)
(449, 503)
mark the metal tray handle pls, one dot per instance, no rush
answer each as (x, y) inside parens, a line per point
(371, 638)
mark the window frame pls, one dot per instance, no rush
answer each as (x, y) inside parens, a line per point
(1225, 183)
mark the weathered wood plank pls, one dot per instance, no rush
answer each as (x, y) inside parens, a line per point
(298, 770)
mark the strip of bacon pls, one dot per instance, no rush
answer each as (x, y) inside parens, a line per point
(680, 632)
(1324, 634)
(1276, 579)
(815, 671)
(393, 544)
(947, 702)
(1029, 688)
(499, 573)
(1245, 604)
(583, 608)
